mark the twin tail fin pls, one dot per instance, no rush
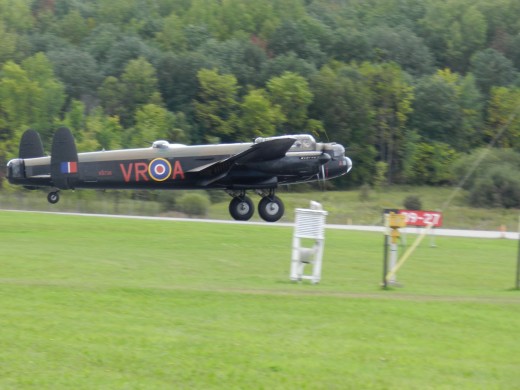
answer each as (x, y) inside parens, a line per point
(64, 159)
(31, 145)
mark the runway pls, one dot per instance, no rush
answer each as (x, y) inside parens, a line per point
(410, 230)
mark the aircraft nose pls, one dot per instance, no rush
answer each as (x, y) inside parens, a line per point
(348, 163)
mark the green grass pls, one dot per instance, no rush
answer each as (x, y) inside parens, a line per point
(100, 303)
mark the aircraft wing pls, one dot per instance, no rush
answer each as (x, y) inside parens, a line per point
(263, 151)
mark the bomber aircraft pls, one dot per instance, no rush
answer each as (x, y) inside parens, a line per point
(259, 166)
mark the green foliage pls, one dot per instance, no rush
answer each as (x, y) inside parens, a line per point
(292, 94)
(498, 181)
(380, 177)
(30, 95)
(152, 123)
(77, 69)
(259, 116)
(216, 196)
(168, 200)
(503, 124)
(193, 204)
(171, 37)
(429, 163)
(178, 80)
(402, 46)
(239, 57)
(16, 14)
(392, 98)
(72, 27)
(292, 36)
(8, 46)
(447, 108)
(497, 187)
(454, 30)
(365, 74)
(343, 100)
(107, 129)
(138, 87)
(216, 106)
(412, 202)
(492, 68)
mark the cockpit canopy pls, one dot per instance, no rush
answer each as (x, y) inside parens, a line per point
(303, 143)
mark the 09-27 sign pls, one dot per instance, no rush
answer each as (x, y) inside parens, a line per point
(422, 218)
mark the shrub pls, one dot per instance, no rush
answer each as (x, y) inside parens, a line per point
(492, 177)
(193, 204)
(217, 196)
(168, 200)
(412, 202)
(499, 187)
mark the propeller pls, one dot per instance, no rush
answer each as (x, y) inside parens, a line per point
(324, 159)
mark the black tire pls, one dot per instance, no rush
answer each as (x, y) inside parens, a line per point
(271, 208)
(53, 197)
(241, 208)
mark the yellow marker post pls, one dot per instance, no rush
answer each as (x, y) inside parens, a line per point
(407, 254)
(393, 221)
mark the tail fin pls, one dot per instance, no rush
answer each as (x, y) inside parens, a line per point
(31, 145)
(64, 159)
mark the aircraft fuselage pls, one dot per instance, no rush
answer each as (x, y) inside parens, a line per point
(170, 168)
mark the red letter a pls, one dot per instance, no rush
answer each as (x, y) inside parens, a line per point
(177, 170)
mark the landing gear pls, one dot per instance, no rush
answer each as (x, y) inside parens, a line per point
(270, 207)
(53, 197)
(241, 208)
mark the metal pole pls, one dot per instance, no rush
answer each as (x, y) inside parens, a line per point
(518, 258)
(393, 261)
(432, 238)
(385, 260)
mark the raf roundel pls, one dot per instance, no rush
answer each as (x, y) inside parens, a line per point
(159, 169)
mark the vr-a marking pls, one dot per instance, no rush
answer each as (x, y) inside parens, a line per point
(158, 169)
(261, 166)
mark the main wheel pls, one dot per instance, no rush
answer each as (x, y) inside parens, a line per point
(241, 208)
(271, 208)
(53, 197)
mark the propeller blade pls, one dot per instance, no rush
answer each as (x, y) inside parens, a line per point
(324, 159)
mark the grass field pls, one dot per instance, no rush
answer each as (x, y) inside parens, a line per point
(101, 303)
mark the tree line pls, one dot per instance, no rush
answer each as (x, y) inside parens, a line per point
(411, 87)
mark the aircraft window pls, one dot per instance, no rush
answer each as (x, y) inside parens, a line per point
(304, 142)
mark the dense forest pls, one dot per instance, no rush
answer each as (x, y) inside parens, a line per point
(413, 88)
